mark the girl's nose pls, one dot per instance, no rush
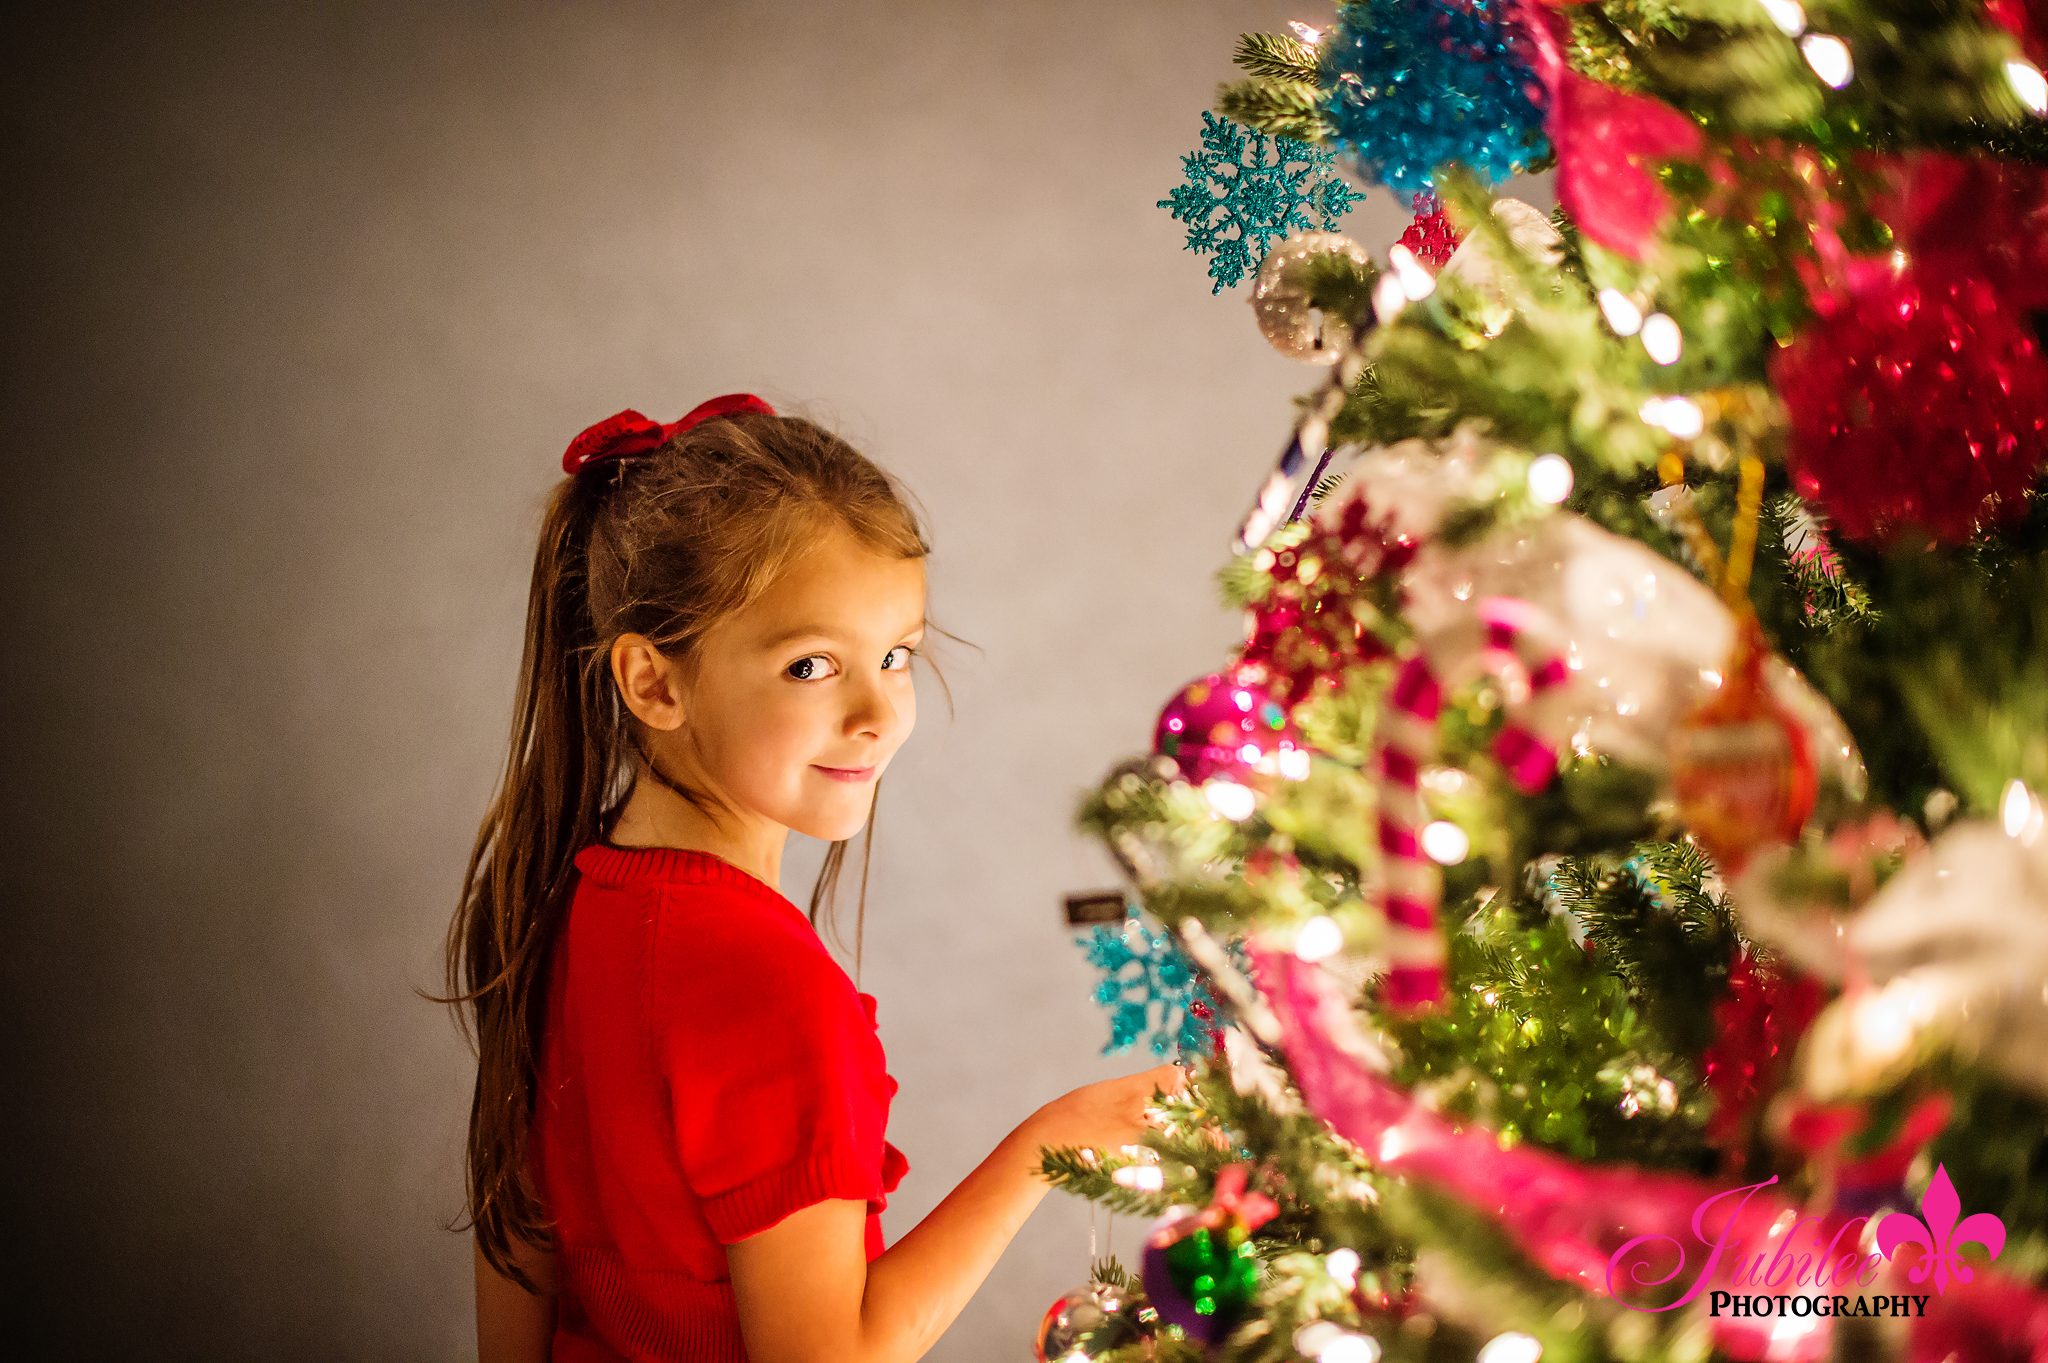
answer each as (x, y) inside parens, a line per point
(872, 711)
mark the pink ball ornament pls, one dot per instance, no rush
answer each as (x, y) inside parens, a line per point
(1228, 724)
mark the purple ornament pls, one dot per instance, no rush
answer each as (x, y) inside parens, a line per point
(1200, 1280)
(1228, 724)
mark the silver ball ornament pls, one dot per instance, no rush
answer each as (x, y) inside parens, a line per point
(1109, 1314)
(1280, 297)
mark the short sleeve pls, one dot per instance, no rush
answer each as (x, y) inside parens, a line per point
(776, 1079)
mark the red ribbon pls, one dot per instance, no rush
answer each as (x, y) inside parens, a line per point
(627, 433)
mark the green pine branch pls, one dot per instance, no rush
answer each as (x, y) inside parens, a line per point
(1276, 56)
(1283, 108)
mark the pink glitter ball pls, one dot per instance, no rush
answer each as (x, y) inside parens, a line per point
(1225, 724)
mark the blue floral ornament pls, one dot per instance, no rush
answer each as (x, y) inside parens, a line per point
(1415, 85)
(1151, 991)
(1244, 191)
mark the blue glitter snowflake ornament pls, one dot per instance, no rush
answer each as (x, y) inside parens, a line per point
(1259, 188)
(1151, 991)
(1418, 84)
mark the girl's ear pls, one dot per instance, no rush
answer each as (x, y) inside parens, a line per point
(648, 681)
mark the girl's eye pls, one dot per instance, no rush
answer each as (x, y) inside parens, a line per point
(813, 668)
(897, 659)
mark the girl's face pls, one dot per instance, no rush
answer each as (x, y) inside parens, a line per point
(793, 707)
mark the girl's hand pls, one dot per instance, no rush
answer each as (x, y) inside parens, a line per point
(1108, 1115)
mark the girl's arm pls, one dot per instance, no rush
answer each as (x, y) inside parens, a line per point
(806, 1294)
(512, 1324)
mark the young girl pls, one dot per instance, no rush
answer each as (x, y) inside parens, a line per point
(676, 1148)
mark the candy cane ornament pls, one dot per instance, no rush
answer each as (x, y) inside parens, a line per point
(1511, 642)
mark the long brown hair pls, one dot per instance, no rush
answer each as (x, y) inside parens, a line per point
(665, 546)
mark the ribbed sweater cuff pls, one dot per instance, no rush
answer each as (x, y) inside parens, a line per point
(753, 1207)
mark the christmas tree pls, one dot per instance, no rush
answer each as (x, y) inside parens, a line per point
(1605, 899)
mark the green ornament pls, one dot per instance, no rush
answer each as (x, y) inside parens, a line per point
(1215, 1271)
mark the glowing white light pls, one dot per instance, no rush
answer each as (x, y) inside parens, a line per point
(1621, 312)
(1512, 1347)
(1294, 763)
(1146, 1178)
(1445, 843)
(1661, 338)
(1550, 478)
(1683, 418)
(1311, 1339)
(2018, 811)
(1786, 14)
(1350, 1348)
(1308, 33)
(2027, 82)
(1388, 298)
(1680, 416)
(1343, 1265)
(1884, 1023)
(1230, 799)
(1320, 937)
(1829, 58)
(1416, 282)
(1249, 754)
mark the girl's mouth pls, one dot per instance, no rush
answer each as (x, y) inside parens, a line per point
(846, 773)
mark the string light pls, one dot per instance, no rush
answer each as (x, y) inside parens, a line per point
(1788, 15)
(1445, 843)
(1512, 1347)
(1231, 800)
(1829, 58)
(1327, 1342)
(1350, 1348)
(1662, 338)
(1416, 282)
(1621, 312)
(1388, 298)
(2027, 82)
(1319, 939)
(1308, 33)
(1680, 416)
(1144, 1178)
(1550, 478)
(2020, 812)
(1343, 1266)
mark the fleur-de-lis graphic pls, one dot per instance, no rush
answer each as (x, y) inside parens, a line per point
(1939, 1235)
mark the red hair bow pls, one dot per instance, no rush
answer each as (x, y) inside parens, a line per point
(628, 433)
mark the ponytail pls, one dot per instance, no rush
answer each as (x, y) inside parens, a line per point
(558, 785)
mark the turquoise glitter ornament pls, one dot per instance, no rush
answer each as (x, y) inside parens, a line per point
(1415, 85)
(1151, 991)
(1245, 191)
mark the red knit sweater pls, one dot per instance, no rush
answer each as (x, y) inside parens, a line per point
(707, 1069)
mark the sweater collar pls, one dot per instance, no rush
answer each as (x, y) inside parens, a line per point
(621, 866)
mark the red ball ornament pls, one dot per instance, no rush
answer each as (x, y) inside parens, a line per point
(1921, 403)
(1228, 724)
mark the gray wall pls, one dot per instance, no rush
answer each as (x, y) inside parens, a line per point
(303, 304)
